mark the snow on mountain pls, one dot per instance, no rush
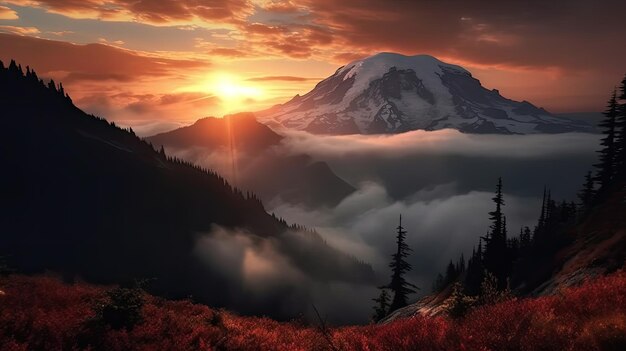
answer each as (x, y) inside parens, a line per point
(391, 93)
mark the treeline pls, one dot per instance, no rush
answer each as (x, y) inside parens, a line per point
(502, 262)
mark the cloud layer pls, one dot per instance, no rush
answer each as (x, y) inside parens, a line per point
(441, 182)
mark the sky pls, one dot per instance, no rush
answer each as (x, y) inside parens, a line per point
(156, 64)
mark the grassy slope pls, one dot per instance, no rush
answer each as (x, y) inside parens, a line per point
(43, 313)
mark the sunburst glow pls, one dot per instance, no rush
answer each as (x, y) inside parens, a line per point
(231, 88)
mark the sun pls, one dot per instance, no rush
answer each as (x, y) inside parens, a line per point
(231, 88)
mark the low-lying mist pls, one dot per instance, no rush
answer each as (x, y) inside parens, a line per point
(441, 182)
(284, 275)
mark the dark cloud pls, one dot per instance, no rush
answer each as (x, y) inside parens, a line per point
(503, 32)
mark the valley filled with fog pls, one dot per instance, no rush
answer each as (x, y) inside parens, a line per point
(441, 182)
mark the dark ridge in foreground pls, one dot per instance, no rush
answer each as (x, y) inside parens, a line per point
(85, 198)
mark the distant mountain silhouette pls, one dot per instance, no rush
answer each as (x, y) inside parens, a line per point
(241, 129)
(85, 198)
(261, 167)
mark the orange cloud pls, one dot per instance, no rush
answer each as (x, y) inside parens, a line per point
(7, 14)
(282, 6)
(229, 52)
(54, 56)
(147, 11)
(19, 30)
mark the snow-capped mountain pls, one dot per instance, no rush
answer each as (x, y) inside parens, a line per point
(389, 93)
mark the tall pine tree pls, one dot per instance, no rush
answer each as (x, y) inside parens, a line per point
(399, 268)
(585, 195)
(606, 167)
(620, 142)
(475, 271)
(381, 309)
(497, 260)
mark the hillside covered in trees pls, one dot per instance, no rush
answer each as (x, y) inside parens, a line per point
(89, 200)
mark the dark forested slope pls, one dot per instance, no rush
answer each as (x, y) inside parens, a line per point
(85, 198)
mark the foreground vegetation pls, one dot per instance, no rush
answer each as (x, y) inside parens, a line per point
(42, 313)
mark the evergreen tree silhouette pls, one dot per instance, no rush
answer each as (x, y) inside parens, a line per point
(620, 124)
(475, 271)
(497, 260)
(399, 267)
(587, 193)
(451, 273)
(461, 268)
(606, 166)
(381, 309)
(525, 238)
(542, 217)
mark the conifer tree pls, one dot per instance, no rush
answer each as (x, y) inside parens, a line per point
(52, 86)
(475, 271)
(399, 267)
(497, 260)
(606, 167)
(587, 192)
(525, 238)
(451, 273)
(461, 268)
(620, 141)
(542, 217)
(382, 305)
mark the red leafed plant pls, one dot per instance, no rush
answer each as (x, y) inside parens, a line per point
(42, 313)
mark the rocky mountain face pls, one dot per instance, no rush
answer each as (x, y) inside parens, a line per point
(393, 93)
(248, 154)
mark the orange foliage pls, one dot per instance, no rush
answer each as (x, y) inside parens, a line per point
(43, 313)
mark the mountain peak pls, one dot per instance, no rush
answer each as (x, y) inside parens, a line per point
(392, 93)
(391, 59)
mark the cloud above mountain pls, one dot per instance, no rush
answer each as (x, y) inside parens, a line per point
(562, 56)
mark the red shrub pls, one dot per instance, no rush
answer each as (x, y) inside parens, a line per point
(43, 313)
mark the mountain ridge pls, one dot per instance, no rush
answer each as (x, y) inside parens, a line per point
(254, 156)
(393, 93)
